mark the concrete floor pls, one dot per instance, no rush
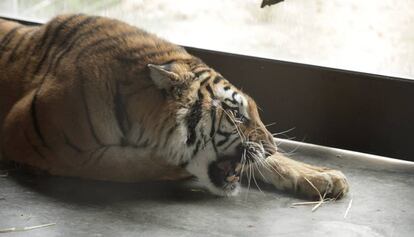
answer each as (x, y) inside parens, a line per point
(381, 191)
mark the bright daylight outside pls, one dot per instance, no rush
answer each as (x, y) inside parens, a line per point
(368, 36)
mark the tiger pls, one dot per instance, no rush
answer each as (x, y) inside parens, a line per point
(97, 98)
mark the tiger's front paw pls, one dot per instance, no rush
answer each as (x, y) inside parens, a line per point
(325, 183)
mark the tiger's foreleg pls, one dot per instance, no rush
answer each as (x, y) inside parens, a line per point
(297, 177)
(122, 163)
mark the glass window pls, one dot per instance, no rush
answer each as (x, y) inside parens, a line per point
(369, 36)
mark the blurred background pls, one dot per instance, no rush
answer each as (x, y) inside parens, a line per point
(368, 36)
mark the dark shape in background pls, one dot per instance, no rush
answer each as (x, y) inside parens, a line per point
(269, 2)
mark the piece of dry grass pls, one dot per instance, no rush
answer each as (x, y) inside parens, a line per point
(322, 200)
(348, 208)
(317, 204)
(15, 229)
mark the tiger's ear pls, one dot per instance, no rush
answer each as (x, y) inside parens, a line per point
(163, 77)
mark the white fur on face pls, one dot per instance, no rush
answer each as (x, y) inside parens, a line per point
(234, 99)
(199, 165)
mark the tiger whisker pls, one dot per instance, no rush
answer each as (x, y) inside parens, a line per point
(263, 162)
(267, 165)
(248, 181)
(231, 117)
(260, 172)
(290, 153)
(270, 124)
(243, 162)
(283, 132)
(255, 181)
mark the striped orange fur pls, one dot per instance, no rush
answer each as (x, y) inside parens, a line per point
(97, 98)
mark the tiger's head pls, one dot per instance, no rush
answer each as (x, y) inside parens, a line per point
(216, 129)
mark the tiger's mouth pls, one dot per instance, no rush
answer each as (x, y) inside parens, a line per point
(225, 173)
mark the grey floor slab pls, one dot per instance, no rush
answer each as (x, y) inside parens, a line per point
(382, 196)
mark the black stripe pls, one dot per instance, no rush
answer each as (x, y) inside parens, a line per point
(232, 142)
(71, 145)
(71, 40)
(220, 143)
(144, 144)
(142, 132)
(213, 121)
(181, 159)
(210, 91)
(228, 107)
(99, 45)
(135, 55)
(33, 107)
(233, 98)
(229, 120)
(12, 55)
(79, 38)
(183, 165)
(226, 88)
(37, 47)
(199, 73)
(204, 81)
(51, 43)
(155, 54)
(72, 33)
(42, 40)
(87, 111)
(35, 149)
(169, 133)
(103, 150)
(35, 121)
(200, 94)
(224, 134)
(151, 55)
(120, 113)
(25, 48)
(192, 119)
(164, 123)
(197, 148)
(8, 37)
(91, 155)
(217, 79)
(213, 128)
(86, 50)
(102, 153)
(231, 101)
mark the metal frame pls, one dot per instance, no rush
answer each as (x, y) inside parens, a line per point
(331, 107)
